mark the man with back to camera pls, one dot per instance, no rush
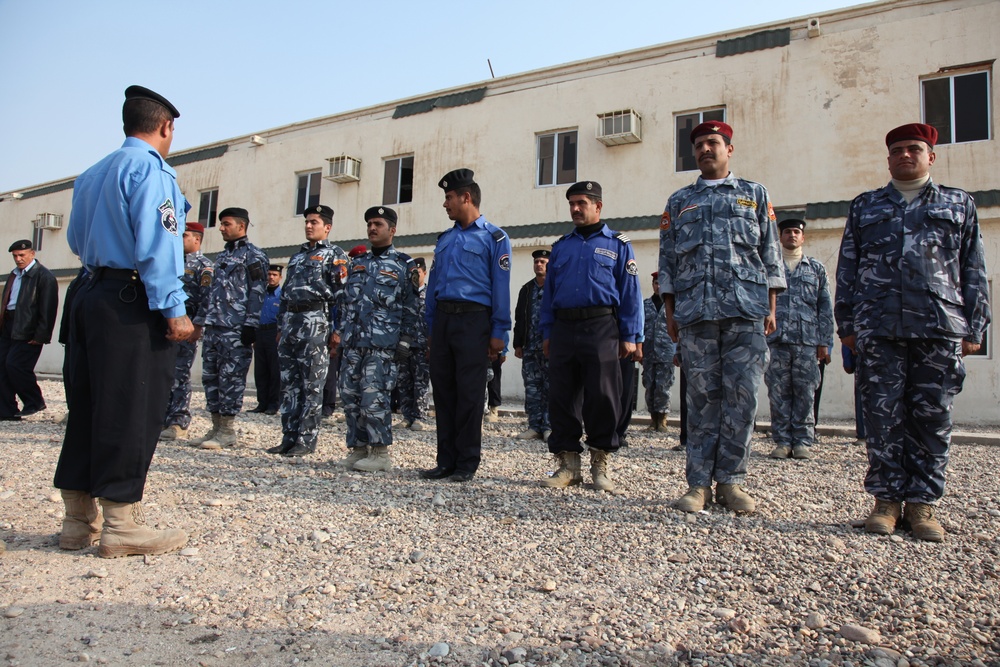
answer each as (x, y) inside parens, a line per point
(230, 320)
(468, 316)
(127, 217)
(720, 273)
(912, 300)
(27, 319)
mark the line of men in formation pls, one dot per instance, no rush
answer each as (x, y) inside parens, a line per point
(911, 301)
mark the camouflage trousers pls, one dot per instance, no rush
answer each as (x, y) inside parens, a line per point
(723, 361)
(535, 374)
(413, 385)
(179, 407)
(304, 360)
(792, 378)
(907, 391)
(367, 377)
(224, 365)
(658, 378)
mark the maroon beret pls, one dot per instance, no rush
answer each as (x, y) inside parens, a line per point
(656, 274)
(357, 251)
(913, 131)
(194, 227)
(713, 127)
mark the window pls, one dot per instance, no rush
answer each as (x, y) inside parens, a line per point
(557, 158)
(307, 195)
(208, 208)
(958, 106)
(36, 238)
(682, 140)
(984, 350)
(397, 186)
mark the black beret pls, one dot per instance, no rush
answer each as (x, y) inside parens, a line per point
(322, 211)
(234, 212)
(140, 93)
(591, 188)
(541, 253)
(420, 262)
(791, 223)
(383, 212)
(24, 244)
(453, 180)
(275, 267)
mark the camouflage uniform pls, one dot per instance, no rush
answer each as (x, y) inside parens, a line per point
(534, 365)
(719, 256)
(805, 322)
(234, 300)
(380, 303)
(196, 280)
(657, 357)
(414, 371)
(911, 285)
(314, 280)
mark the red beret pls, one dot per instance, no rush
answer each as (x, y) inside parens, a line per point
(913, 131)
(194, 227)
(656, 274)
(713, 127)
(357, 251)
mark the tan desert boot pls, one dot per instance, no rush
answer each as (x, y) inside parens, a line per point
(126, 534)
(80, 527)
(194, 442)
(922, 522)
(567, 474)
(695, 499)
(599, 470)
(225, 435)
(882, 520)
(354, 454)
(735, 498)
(378, 459)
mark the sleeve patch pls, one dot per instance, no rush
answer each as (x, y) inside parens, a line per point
(632, 268)
(770, 212)
(256, 272)
(665, 221)
(504, 262)
(167, 217)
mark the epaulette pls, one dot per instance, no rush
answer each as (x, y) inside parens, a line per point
(442, 234)
(498, 235)
(621, 237)
(563, 238)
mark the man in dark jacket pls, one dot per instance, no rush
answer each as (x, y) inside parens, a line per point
(27, 318)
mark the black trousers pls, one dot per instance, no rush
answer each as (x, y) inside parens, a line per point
(266, 371)
(630, 391)
(684, 409)
(494, 399)
(459, 359)
(122, 367)
(330, 388)
(17, 373)
(585, 384)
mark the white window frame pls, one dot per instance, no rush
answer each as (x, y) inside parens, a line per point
(211, 217)
(311, 176)
(394, 167)
(554, 171)
(952, 122)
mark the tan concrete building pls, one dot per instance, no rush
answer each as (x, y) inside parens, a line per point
(810, 99)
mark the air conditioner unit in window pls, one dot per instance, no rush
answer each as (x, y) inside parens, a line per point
(344, 169)
(615, 128)
(48, 221)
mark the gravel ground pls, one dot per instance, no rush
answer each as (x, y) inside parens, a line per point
(298, 561)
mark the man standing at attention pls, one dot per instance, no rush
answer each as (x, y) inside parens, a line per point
(720, 274)
(528, 348)
(802, 340)
(591, 318)
(266, 369)
(379, 321)
(414, 373)
(468, 316)
(230, 319)
(197, 278)
(27, 318)
(657, 359)
(912, 300)
(127, 217)
(309, 334)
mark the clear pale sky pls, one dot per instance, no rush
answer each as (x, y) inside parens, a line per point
(235, 68)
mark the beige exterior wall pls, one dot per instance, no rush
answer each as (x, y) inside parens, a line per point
(809, 122)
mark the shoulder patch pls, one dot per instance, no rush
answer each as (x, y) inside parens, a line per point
(167, 216)
(632, 268)
(256, 271)
(770, 213)
(665, 221)
(206, 277)
(621, 237)
(498, 235)
(504, 262)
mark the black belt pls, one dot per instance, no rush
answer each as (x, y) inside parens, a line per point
(270, 326)
(305, 306)
(583, 313)
(460, 307)
(103, 272)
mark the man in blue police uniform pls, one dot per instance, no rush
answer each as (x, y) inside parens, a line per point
(591, 318)
(307, 320)
(127, 217)
(468, 316)
(230, 319)
(197, 278)
(802, 340)
(720, 274)
(912, 300)
(528, 348)
(266, 370)
(27, 319)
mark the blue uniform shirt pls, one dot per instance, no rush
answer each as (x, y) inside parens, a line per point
(129, 213)
(269, 310)
(598, 270)
(472, 264)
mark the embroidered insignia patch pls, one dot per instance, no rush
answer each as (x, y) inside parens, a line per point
(167, 217)
(504, 262)
(693, 207)
(415, 279)
(206, 279)
(632, 268)
(391, 274)
(359, 268)
(749, 203)
(665, 221)
(607, 253)
(770, 212)
(318, 258)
